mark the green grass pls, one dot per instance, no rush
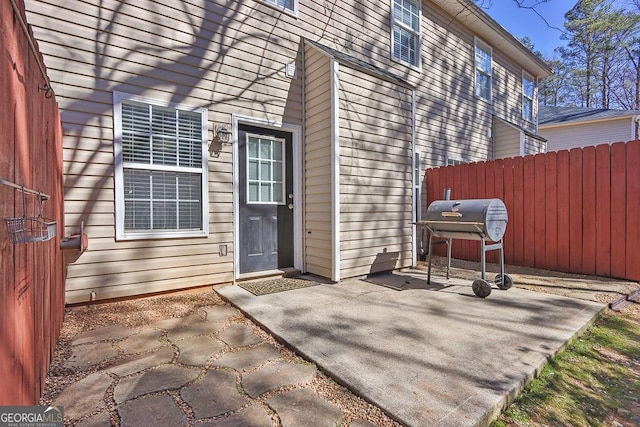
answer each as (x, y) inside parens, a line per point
(595, 381)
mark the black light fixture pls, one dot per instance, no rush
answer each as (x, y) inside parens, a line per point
(223, 134)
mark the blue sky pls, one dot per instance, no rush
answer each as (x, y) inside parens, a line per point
(525, 22)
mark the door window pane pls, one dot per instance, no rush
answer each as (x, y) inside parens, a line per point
(265, 163)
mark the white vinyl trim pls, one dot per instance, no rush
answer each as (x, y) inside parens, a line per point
(296, 137)
(417, 183)
(335, 170)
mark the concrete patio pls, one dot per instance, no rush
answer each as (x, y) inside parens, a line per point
(426, 354)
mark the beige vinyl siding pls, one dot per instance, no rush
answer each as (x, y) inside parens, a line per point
(508, 92)
(197, 54)
(229, 57)
(450, 120)
(585, 134)
(506, 140)
(534, 145)
(317, 185)
(375, 174)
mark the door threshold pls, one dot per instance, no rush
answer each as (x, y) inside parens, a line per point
(279, 272)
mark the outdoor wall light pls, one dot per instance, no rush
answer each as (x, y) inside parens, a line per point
(223, 134)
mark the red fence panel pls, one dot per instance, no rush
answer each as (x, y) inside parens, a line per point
(573, 211)
(603, 210)
(32, 285)
(549, 239)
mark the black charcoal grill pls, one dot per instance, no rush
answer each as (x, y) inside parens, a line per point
(471, 219)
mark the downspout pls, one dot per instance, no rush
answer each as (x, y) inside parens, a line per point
(335, 171)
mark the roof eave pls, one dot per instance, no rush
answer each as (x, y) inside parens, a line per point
(633, 117)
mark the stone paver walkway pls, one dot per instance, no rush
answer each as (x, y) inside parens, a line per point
(208, 369)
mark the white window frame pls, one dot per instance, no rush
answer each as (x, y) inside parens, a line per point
(284, 170)
(452, 161)
(121, 233)
(525, 97)
(479, 44)
(417, 33)
(274, 4)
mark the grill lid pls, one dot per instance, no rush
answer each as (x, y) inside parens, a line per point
(467, 219)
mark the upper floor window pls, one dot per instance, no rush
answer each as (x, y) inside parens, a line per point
(484, 70)
(454, 162)
(406, 31)
(160, 170)
(528, 91)
(290, 5)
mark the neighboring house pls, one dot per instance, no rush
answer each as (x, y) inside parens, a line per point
(331, 111)
(570, 127)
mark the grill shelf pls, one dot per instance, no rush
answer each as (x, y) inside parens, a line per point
(470, 219)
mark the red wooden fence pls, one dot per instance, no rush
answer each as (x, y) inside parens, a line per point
(575, 211)
(31, 274)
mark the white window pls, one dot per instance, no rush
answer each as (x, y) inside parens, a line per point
(528, 91)
(265, 163)
(288, 5)
(454, 162)
(160, 170)
(406, 31)
(484, 70)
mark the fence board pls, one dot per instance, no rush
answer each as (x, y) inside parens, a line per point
(550, 234)
(589, 229)
(508, 201)
(528, 190)
(518, 210)
(618, 203)
(632, 270)
(539, 211)
(562, 161)
(463, 245)
(603, 210)
(575, 211)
